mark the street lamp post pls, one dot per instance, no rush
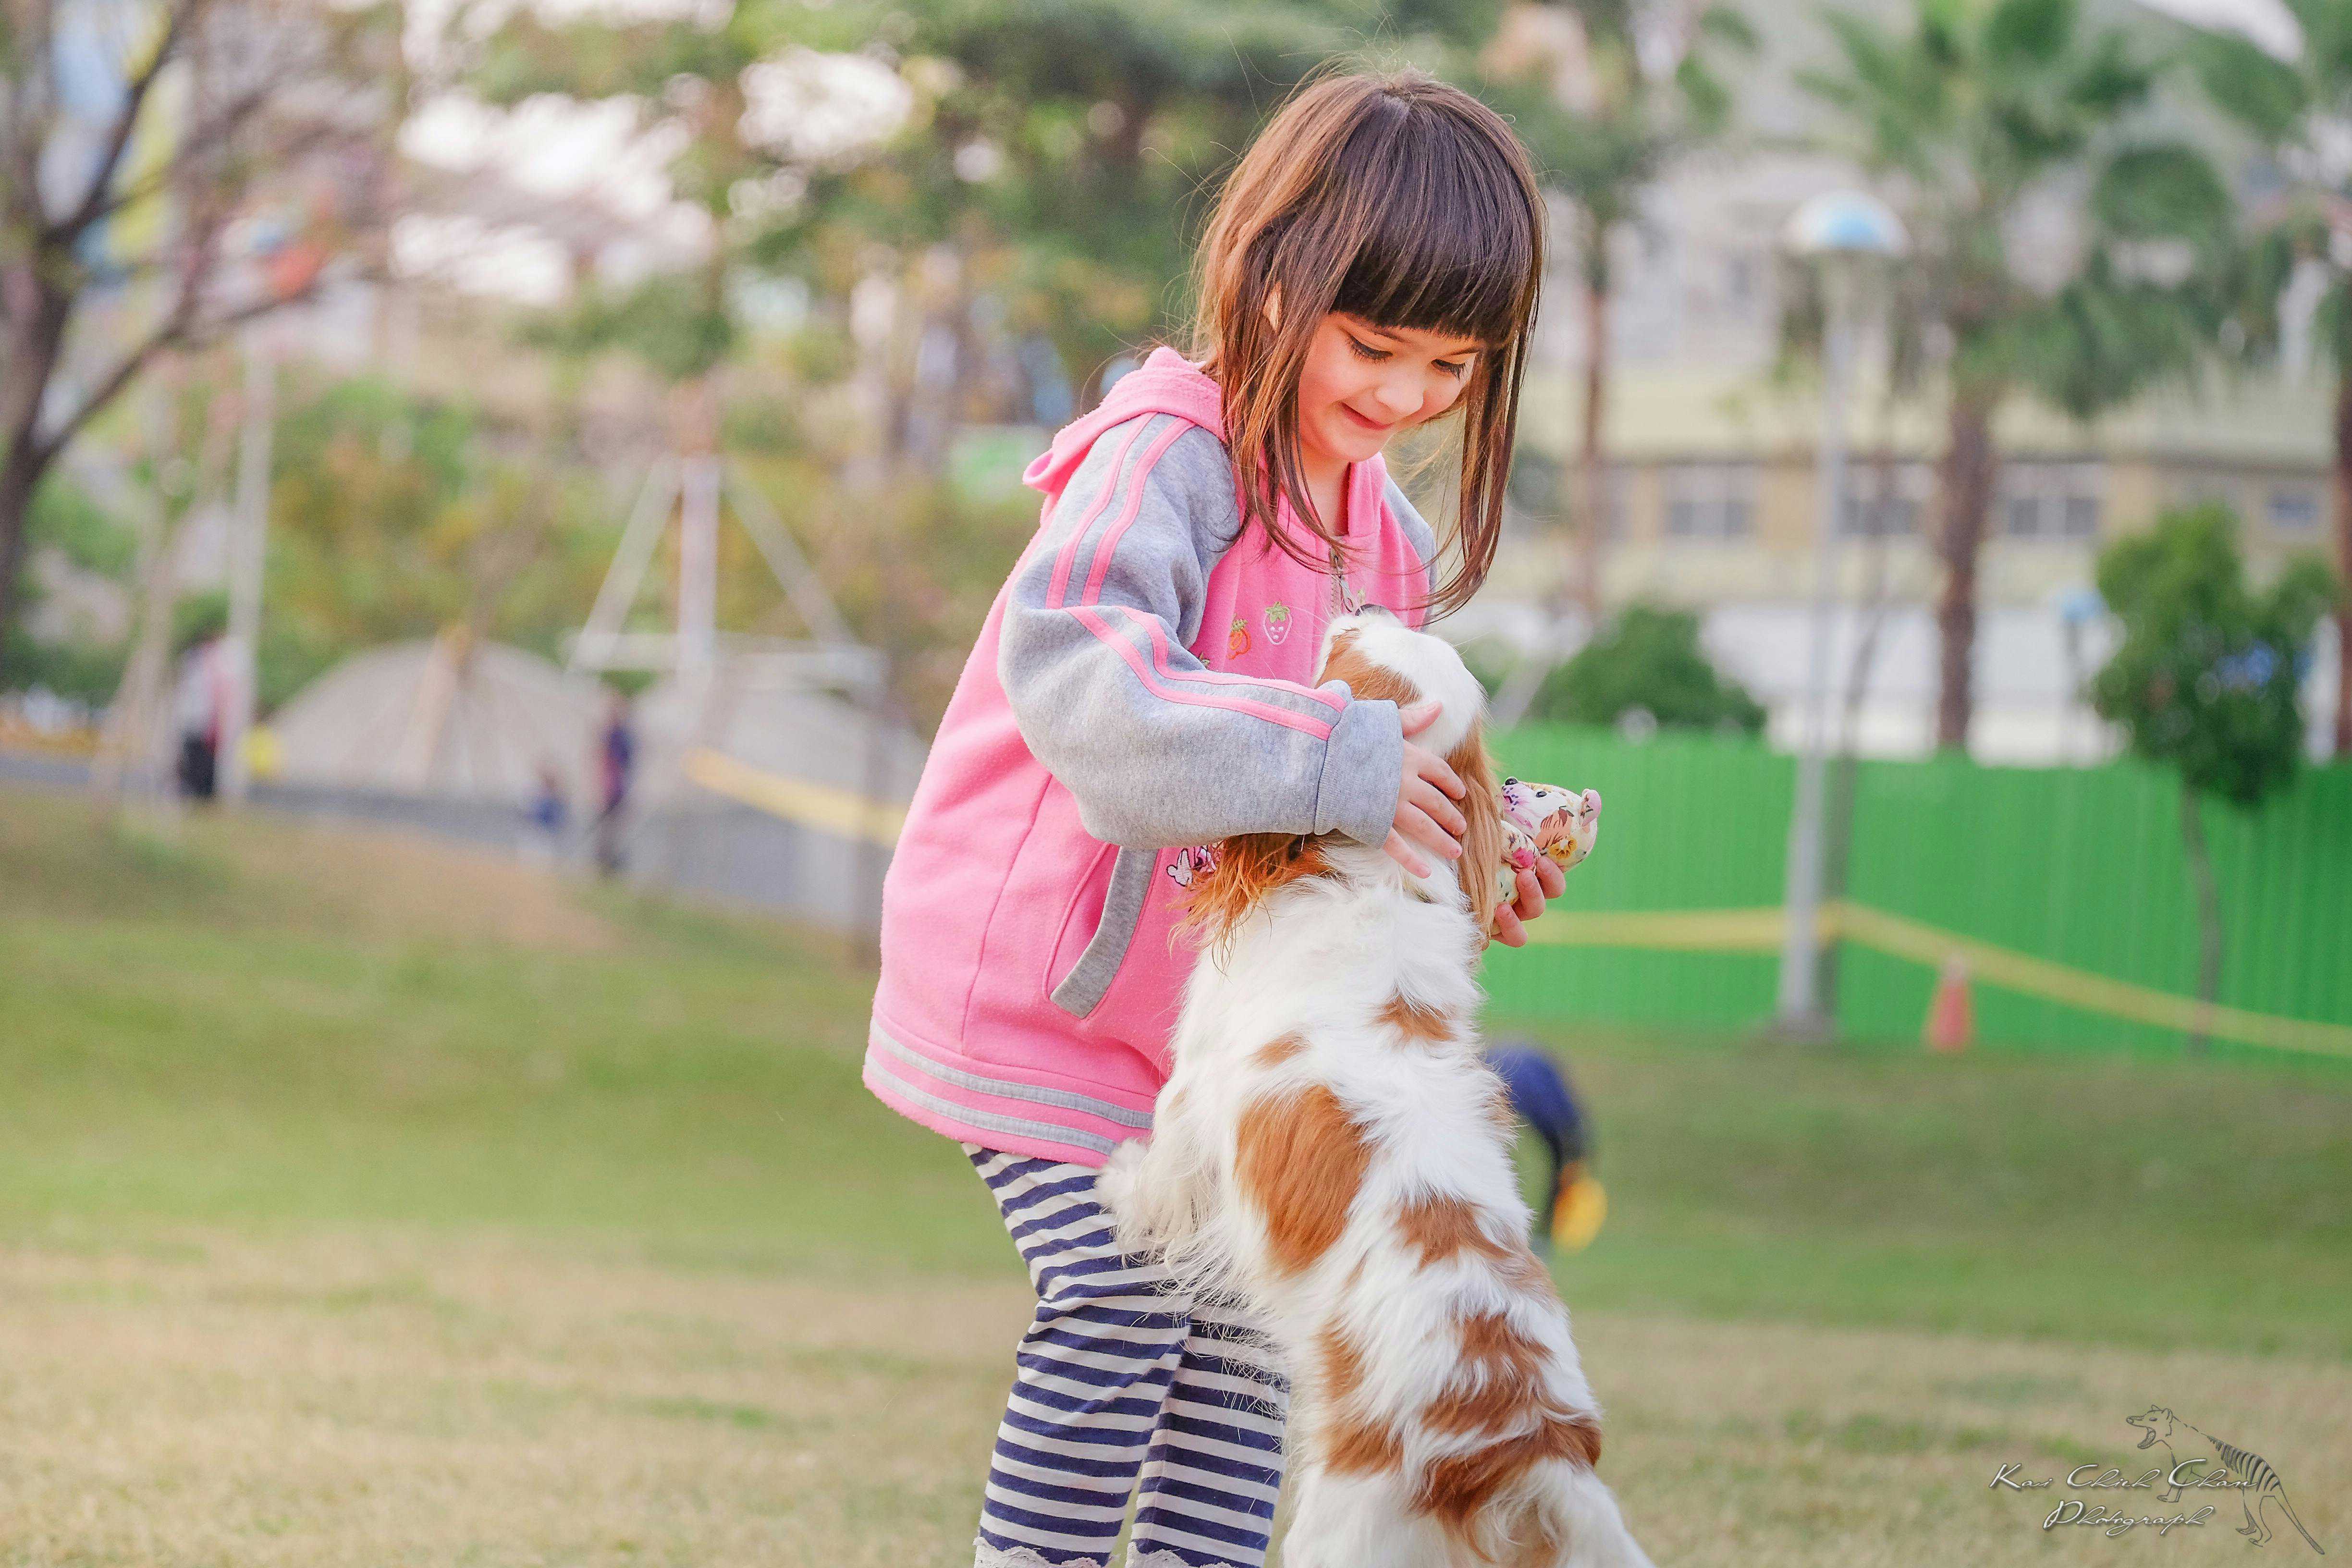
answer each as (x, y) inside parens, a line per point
(1843, 230)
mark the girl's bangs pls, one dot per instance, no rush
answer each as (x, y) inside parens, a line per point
(1448, 242)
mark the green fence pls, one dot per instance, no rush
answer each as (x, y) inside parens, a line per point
(2080, 866)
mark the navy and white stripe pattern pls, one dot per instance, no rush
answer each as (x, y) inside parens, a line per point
(1120, 1379)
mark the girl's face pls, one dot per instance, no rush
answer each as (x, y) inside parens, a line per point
(1363, 384)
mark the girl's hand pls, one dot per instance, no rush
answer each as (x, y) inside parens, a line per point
(1425, 813)
(1546, 881)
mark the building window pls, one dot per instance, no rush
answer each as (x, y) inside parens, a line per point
(2058, 502)
(2294, 509)
(2197, 489)
(1545, 493)
(1711, 500)
(1886, 504)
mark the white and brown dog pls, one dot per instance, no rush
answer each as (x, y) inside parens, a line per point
(1330, 1151)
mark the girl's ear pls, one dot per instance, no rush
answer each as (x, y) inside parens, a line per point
(1481, 866)
(1249, 866)
(1274, 306)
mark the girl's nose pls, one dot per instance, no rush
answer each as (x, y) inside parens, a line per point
(1397, 397)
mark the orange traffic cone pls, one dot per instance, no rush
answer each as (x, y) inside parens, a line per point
(1952, 1015)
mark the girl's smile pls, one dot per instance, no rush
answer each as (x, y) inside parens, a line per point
(1363, 384)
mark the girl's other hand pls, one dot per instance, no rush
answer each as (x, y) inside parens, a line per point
(1425, 813)
(1547, 881)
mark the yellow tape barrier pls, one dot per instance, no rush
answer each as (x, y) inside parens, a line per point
(843, 813)
(851, 815)
(1759, 931)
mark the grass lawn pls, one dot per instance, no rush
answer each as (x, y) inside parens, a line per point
(364, 1202)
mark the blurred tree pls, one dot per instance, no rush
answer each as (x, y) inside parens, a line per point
(2205, 680)
(1970, 114)
(397, 516)
(2296, 302)
(1648, 661)
(988, 205)
(134, 138)
(1607, 94)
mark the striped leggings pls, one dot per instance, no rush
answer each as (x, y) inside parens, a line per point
(1120, 1377)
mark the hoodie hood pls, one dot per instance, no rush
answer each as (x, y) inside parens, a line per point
(1167, 383)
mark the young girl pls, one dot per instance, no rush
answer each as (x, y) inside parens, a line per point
(1144, 685)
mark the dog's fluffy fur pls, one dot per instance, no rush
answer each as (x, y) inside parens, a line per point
(1332, 1151)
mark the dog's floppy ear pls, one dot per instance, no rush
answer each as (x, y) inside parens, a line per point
(1247, 868)
(1481, 866)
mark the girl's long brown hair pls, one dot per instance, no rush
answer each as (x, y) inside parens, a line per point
(1404, 202)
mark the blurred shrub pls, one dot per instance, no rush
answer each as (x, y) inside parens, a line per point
(2206, 676)
(1648, 659)
(77, 671)
(66, 518)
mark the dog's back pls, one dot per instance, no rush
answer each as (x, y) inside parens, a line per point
(1331, 1149)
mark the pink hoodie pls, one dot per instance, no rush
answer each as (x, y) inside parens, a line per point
(1140, 687)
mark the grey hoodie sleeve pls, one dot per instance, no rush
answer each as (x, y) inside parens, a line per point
(1095, 659)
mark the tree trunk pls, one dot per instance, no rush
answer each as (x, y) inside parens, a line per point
(2209, 912)
(31, 359)
(2343, 499)
(127, 748)
(1964, 487)
(1592, 477)
(18, 479)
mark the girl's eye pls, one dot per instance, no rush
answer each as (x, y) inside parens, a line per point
(1365, 351)
(1455, 368)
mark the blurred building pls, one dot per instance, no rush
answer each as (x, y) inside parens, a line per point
(1711, 486)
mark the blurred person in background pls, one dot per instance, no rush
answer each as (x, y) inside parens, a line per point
(200, 707)
(1542, 1098)
(550, 813)
(616, 758)
(1143, 686)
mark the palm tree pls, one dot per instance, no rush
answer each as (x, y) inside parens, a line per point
(2303, 235)
(1968, 114)
(1607, 94)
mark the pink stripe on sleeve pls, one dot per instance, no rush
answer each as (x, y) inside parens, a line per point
(1109, 545)
(1069, 556)
(1174, 690)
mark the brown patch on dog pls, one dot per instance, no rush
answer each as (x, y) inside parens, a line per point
(1443, 1227)
(1458, 1490)
(1361, 1446)
(1300, 1157)
(1278, 1050)
(1249, 868)
(1499, 1396)
(1342, 1362)
(1353, 1444)
(1497, 1350)
(1367, 681)
(1420, 1026)
(1481, 866)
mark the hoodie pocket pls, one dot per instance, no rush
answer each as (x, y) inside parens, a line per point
(1102, 913)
